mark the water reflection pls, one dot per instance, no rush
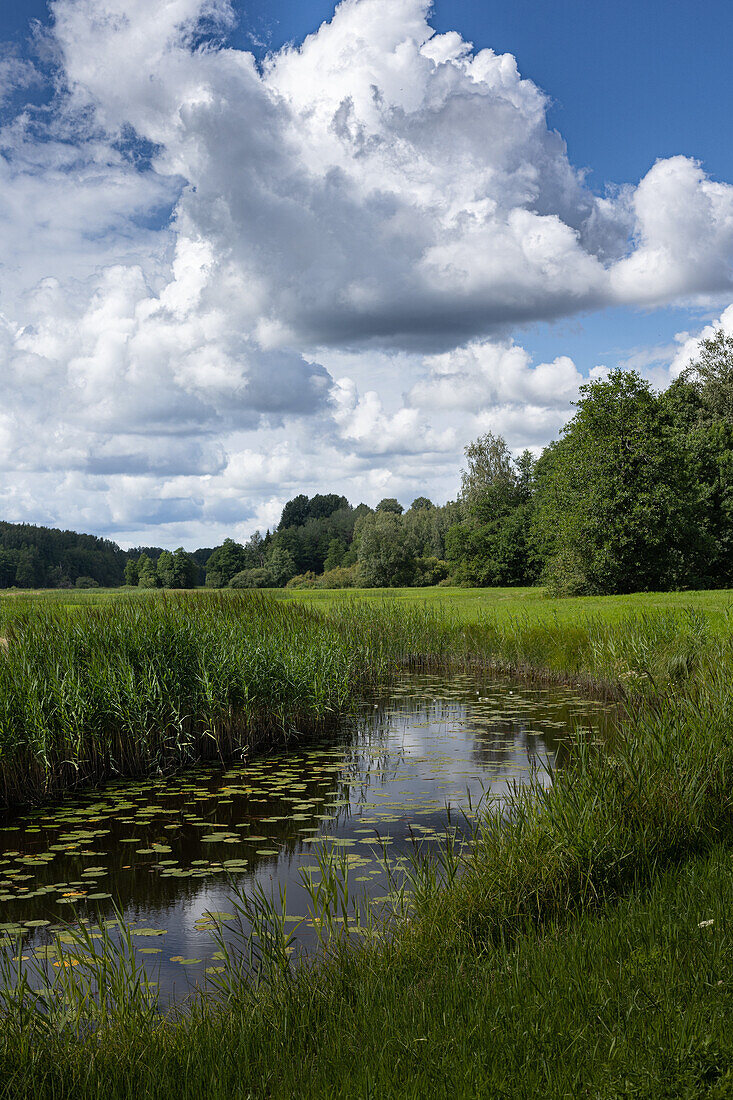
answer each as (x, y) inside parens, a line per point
(167, 850)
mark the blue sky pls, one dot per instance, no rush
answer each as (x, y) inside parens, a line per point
(334, 267)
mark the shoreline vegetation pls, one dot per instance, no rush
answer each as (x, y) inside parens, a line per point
(580, 945)
(132, 687)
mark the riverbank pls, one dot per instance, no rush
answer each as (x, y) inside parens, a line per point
(573, 953)
(137, 686)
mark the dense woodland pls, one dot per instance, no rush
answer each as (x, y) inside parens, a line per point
(635, 495)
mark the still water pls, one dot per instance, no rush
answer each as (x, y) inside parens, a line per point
(402, 772)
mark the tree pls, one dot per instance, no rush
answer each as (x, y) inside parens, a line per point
(165, 570)
(281, 567)
(490, 546)
(146, 571)
(385, 560)
(489, 482)
(185, 570)
(28, 573)
(131, 572)
(226, 560)
(295, 513)
(390, 504)
(711, 374)
(421, 502)
(337, 549)
(616, 509)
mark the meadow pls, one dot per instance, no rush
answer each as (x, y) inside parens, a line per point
(581, 944)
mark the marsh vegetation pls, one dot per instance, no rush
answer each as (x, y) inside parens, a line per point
(485, 954)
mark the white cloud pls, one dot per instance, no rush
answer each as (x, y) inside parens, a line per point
(684, 237)
(195, 247)
(493, 373)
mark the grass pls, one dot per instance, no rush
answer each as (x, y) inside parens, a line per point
(568, 952)
(139, 685)
(130, 686)
(501, 604)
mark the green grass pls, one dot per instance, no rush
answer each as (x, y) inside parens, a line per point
(561, 956)
(129, 685)
(506, 603)
(467, 603)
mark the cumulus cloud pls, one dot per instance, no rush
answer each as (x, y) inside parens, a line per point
(188, 235)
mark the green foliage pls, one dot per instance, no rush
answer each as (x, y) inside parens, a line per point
(224, 562)
(340, 577)
(385, 559)
(492, 545)
(146, 571)
(176, 570)
(389, 504)
(132, 575)
(711, 375)
(39, 557)
(252, 578)
(616, 510)
(337, 549)
(280, 566)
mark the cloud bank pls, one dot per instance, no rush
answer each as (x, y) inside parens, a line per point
(195, 246)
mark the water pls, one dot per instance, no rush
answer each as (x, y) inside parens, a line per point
(167, 851)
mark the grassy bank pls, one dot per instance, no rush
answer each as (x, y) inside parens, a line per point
(135, 685)
(572, 954)
(633, 1002)
(141, 685)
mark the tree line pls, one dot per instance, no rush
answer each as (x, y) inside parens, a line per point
(636, 494)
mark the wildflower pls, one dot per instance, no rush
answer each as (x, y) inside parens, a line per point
(705, 923)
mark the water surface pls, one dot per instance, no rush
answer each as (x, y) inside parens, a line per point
(404, 770)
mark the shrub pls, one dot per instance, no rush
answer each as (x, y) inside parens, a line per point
(252, 578)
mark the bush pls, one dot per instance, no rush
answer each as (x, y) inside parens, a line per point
(303, 580)
(86, 582)
(252, 578)
(340, 577)
(430, 571)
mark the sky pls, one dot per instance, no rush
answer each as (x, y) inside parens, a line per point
(249, 250)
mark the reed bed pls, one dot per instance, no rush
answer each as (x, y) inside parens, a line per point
(134, 686)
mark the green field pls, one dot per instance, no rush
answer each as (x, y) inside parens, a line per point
(582, 945)
(473, 603)
(468, 603)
